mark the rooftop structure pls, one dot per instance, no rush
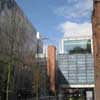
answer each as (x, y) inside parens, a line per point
(81, 44)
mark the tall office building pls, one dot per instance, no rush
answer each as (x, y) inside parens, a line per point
(75, 64)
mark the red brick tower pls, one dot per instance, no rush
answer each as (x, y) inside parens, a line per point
(51, 68)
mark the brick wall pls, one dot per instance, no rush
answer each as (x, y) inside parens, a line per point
(96, 45)
(51, 68)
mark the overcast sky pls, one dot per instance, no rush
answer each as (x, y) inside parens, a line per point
(58, 18)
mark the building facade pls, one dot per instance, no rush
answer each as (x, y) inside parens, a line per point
(82, 44)
(18, 46)
(75, 63)
(39, 43)
(96, 45)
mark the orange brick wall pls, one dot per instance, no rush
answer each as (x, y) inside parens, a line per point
(51, 68)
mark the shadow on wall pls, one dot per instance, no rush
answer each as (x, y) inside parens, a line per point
(60, 80)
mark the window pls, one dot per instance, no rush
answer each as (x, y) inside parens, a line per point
(77, 46)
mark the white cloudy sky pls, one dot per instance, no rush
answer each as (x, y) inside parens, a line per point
(58, 18)
(79, 29)
(78, 17)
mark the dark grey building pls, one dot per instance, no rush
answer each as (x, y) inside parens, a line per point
(18, 46)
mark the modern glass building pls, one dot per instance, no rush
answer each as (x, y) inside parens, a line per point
(77, 69)
(76, 45)
(76, 65)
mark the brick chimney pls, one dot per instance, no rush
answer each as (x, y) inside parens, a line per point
(51, 67)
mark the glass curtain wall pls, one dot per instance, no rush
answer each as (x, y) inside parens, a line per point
(77, 69)
(77, 46)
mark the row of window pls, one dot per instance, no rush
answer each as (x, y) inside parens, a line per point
(76, 71)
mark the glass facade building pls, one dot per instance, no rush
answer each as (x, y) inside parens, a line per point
(77, 69)
(76, 61)
(77, 46)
